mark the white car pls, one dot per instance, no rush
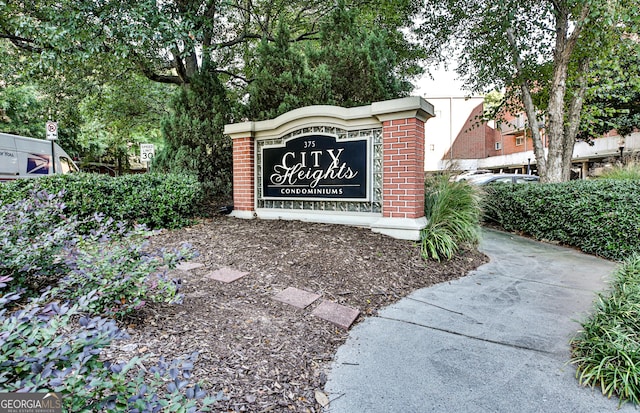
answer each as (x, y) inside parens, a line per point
(503, 179)
(470, 174)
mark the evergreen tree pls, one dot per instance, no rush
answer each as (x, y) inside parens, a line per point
(362, 62)
(193, 133)
(282, 80)
(349, 64)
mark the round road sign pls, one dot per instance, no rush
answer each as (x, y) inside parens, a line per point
(52, 131)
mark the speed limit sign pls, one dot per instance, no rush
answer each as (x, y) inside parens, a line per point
(147, 152)
(52, 130)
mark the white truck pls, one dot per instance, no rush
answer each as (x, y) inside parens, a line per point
(22, 157)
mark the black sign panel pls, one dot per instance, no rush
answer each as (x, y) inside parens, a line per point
(316, 166)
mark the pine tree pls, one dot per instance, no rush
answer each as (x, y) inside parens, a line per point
(362, 63)
(282, 81)
(194, 137)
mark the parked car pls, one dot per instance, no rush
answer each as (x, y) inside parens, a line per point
(470, 174)
(486, 179)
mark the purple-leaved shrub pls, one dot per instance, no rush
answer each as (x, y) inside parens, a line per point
(32, 235)
(55, 346)
(54, 284)
(40, 247)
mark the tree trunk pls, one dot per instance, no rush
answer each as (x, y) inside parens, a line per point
(556, 166)
(562, 138)
(554, 169)
(573, 117)
(530, 109)
(536, 137)
(191, 65)
(556, 109)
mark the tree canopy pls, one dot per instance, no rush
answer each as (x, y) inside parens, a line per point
(612, 100)
(348, 65)
(169, 41)
(267, 56)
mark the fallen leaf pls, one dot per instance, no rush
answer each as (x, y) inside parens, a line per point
(322, 398)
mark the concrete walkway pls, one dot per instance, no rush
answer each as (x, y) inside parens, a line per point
(495, 341)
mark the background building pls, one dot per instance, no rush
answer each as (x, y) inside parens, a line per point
(458, 139)
(453, 127)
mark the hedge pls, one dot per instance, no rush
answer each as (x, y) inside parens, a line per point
(155, 200)
(600, 217)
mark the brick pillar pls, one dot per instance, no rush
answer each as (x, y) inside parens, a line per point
(403, 173)
(243, 177)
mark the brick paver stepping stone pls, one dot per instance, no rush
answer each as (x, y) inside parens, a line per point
(340, 315)
(226, 275)
(296, 297)
(188, 265)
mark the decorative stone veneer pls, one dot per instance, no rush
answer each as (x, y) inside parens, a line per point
(395, 132)
(373, 205)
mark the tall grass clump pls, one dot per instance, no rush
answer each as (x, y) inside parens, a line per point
(607, 350)
(631, 171)
(452, 210)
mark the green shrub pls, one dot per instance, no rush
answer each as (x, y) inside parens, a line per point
(155, 200)
(33, 233)
(453, 215)
(607, 350)
(601, 217)
(125, 276)
(193, 133)
(52, 346)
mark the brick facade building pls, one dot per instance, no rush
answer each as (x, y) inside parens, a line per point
(507, 146)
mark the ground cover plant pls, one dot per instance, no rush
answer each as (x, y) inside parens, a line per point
(61, 293)
(601, 217)
(607, 350)
(155, 200)
(453, 217)
(253, 353)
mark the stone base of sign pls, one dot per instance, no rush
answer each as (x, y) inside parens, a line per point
(323, 217)
(243, 214)
(401, 228)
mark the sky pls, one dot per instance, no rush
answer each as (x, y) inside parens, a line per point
(444, 84)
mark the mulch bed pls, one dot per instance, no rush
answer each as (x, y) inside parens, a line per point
(262, 354)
